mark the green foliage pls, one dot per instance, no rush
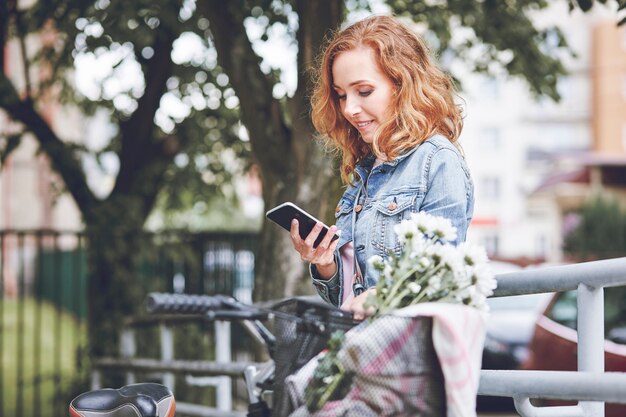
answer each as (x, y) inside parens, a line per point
(178, 156)
(330, 380)
(600, 232)
(133, 32)
(586, 5)
(502, 32)
(48, 370)
(224, 215)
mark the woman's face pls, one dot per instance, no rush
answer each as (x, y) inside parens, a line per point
(365, 93)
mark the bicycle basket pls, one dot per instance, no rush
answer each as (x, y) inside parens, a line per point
(302, 327)
(394, 371)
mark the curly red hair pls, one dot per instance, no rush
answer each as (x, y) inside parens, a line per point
(423, 102)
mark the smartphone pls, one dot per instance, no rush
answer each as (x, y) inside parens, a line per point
(283, 214)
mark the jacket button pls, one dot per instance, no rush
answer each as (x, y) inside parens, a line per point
(358, 208)
(337, 209)
(392, 206)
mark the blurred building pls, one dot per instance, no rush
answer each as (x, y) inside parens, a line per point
(533, 161)
(32, 196)
(608, 79)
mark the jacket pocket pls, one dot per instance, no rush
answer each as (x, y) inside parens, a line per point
(344, 207)
(391, 210)
(343, 220)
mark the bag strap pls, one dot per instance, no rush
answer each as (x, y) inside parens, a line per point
(358, 285)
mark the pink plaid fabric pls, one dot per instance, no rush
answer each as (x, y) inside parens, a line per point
(395, 365)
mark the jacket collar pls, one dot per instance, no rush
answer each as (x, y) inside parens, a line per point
(365, 165)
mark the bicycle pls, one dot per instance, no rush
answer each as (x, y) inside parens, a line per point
(301, 327)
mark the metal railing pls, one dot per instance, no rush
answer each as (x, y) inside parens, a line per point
(43, 304)
(41, 330)
(590, 385)
(36, 265)
(218, 373)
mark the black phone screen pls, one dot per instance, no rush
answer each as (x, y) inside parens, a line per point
(286, 212)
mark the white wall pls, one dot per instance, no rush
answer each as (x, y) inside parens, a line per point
(507, 131)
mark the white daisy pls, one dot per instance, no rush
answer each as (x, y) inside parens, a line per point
(484, 279)
(376, 262)
(416, 246)
(405, 230)
(424, 222)
(434, 283)
(414, 287)
(443, 229)
(480, 301)
(473, 254)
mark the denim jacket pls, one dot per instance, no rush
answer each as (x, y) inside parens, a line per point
(431, 177)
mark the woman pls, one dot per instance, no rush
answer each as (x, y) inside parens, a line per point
(384, 104)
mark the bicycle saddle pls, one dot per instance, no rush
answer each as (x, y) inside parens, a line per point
(136, 400)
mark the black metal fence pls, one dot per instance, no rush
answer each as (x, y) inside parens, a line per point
(43, 283)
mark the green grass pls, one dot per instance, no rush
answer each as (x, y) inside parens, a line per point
(40, 344)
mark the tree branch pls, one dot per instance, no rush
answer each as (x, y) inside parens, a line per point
(4, 27)
(21, 33)
(63, 160)
(316, 21)
(260, 112)
(138, 144)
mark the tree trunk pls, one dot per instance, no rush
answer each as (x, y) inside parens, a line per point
(280, 271)
(308, 176)
(114, 243)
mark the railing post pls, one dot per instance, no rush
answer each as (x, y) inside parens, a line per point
(128, 349)
(223, 355)
(167, 353)
(526, 409)
(591, 339)
(96, 379)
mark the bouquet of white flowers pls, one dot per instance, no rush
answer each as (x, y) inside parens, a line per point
(428, 269)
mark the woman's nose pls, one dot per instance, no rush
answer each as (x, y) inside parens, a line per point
(352, 107)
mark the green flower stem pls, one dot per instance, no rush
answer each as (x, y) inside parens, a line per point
(397, 300)
(398, 284)
(332, 387)
(451, 297)
(423, 278)
(419, 298)
(434, 239)
(393, 302)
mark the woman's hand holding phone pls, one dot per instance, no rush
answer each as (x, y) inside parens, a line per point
(323, 255)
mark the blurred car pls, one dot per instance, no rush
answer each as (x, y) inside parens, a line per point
(554, 342)
(509, 331)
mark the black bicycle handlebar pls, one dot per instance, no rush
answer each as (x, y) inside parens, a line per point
(227, 315)
(214, 307)
(184, 303)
